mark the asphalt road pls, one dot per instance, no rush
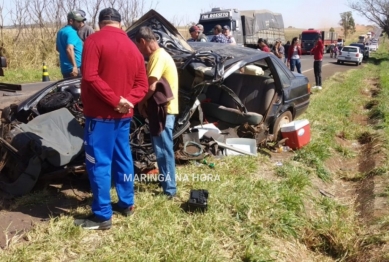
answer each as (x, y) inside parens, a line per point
(329, 67)
(7, 98)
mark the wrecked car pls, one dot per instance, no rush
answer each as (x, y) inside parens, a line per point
(244, 92)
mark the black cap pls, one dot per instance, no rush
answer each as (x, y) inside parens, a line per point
(110, 14)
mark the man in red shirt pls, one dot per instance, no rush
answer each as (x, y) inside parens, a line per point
(317, 52)
(114, 81)
(262, 45)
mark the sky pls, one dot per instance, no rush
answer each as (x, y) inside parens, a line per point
(296, 13)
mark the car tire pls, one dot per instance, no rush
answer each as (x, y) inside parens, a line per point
(54, 101)
(284, 118)
(338, 62)
(357, 63)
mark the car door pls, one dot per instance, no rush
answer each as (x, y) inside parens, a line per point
(293, 88)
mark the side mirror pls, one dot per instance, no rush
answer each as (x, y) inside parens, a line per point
(233, 26)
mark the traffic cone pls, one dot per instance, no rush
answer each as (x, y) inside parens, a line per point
(45, 74)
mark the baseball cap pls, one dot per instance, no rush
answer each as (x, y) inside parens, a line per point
(193, 29)
(226, 27)
(77, 15)
(110, 14)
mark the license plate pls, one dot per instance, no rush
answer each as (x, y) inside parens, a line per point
(348, 57)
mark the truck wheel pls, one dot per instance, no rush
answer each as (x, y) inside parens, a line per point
(54, 101)
(284, 118)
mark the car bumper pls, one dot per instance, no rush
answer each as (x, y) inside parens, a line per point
(348, 59)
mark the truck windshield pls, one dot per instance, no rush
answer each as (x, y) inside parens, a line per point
(209, 25)
(309, 36)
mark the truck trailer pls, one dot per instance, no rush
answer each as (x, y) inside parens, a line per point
(246, 25)
(309, 37)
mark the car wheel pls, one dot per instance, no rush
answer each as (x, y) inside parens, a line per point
(54, 101)
(284, 118)
(338, 62)
(357, 63)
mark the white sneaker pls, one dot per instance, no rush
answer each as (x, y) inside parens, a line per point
(319, 87)
(314, 87)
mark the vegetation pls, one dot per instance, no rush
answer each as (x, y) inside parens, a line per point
(310, 207)
(376, 11)
(347, 23)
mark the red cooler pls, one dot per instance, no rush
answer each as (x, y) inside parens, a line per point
(298, 133)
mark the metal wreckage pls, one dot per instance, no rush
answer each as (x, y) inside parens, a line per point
(243, 92)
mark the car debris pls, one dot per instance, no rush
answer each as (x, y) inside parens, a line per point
(242, 92)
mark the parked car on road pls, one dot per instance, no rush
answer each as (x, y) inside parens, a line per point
(245, 92)
(350, 54)
(363, 49)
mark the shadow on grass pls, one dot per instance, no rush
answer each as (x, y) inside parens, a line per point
(377, 60)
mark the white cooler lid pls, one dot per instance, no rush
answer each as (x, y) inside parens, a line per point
(294, 125)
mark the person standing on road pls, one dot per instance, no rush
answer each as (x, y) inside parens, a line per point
(201, 37)
(262, 45)
(318, 52)
(336, 50)
(83, 30)
(279, 50)
(160, 68)
(294, 55)
(227, 32)
(219, 37)
(286, 48)
(194, 32)
(69, 46)
(114, 81)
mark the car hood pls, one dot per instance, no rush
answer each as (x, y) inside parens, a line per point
(167, 35)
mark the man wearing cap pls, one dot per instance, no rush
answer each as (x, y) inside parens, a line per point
(219, 37)
(226, 31)
(114, 81)
(194, 33)
(202, 37)
(83, 30)
(69, 46)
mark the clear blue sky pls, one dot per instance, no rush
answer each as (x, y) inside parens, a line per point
(296, 13)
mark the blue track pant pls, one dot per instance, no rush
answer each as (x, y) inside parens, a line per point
(107, 152)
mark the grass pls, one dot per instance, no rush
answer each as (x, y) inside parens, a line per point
(258, 211)
(20, 76)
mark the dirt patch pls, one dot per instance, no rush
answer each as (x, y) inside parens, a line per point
(18, 216)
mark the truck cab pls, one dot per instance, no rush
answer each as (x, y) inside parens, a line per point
(308, 39)
(362, 39)
(217, 16)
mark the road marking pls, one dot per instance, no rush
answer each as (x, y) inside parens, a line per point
(312, 68)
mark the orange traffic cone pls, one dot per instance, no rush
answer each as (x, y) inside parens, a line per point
(45, 74)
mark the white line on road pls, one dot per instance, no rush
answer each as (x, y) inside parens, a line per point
(312, 68)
